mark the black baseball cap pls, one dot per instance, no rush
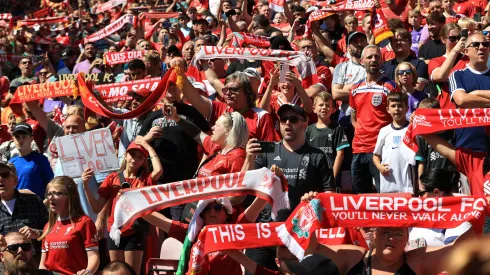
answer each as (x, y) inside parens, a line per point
(67, 53)
(354, 33)
(315, 264)
(293, 107)
(23, 128)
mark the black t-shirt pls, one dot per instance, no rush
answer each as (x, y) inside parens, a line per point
(237, 66)
(432, 159)
(329, 139)
(306, 169)
(177, 151)
(432, 49)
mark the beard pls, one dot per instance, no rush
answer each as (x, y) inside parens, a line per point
(370, 70)
(17, 267)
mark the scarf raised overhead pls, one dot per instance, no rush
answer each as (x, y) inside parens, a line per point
(114, 58)
(428, 121)
(135, 203)
(337, 210)
(111, 28)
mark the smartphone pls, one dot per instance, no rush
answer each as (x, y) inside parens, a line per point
(230, 13)
(267, 146)
(166, 39)
(166, 25)
(283, 70)
(464, 33)
(302, 21)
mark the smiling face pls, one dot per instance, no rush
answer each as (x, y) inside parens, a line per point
(234, 95)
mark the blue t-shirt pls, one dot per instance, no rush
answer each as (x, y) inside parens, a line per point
(34, 172)
(469, 80)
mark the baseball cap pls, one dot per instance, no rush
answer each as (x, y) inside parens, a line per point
(200, 21)
(143, 92)
(352, 34)
(295, 108)
(67, 53)
(252, 72)
(23, 128)
(138, 147)
(280, 43)
(314, 264)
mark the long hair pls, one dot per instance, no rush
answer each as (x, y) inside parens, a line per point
(245, 85)
(238, 130)
(142, 171)
(74, 206)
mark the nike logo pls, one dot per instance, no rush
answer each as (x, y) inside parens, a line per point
(311, 139)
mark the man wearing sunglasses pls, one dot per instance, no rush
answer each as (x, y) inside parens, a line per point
(17, 256)
(27, 75)
(470, 88)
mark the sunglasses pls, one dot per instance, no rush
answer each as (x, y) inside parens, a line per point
(216, 207)
(231, 90)
(405, 72)
(14, 248)
(26, 62)
(422, 193)
(453, 38)
(55, 194)
(485, 32)
(292, 119)
(43, 73)
(5, 174)
(484, 44)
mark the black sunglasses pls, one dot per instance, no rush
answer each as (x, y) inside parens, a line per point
(292, 119)
(14, 248)
(485, 44)
(454, 38)
(233, 90)
(216, 207)
(403, 72)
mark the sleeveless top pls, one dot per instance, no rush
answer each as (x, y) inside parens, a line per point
(361, 269)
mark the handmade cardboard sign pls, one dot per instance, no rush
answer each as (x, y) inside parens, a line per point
(94, 149)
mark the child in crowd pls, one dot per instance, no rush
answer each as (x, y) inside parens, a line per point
(406, 78)
(329, 136)
(396, 173)
(415, 21)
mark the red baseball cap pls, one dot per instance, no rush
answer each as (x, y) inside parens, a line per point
(143, 92)
(138, 147)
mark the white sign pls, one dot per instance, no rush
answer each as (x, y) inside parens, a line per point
(94, 149)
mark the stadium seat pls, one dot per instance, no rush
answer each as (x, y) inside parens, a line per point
(169, 258)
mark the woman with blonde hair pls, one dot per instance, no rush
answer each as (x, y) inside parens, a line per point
(406, 78)
(68, 244)
(134, 173)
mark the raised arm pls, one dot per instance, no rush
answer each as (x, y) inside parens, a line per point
(159, 221)
(265, 103)
(303, 94)
(96, 204)
(322, 42)
(442, 73)
(38, 113)
(155, 160)
(189, 128)
(442, 146)
(246, 15)
(212, 77)
(238, 256)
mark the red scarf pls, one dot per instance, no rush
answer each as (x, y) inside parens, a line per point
(42, 40)
(339, 210)
(111, 28)
(239, 38)
(277, 5)
(40, 91)
(5, 16)
(41, 13)
(379, 25)
(109, 5)
(40, 21)
(118, 91)
(428, 121)
(92, 102)
(158, 15)
(114, 58)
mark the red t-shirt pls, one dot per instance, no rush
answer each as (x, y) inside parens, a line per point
(216, 263)
(465, 8)
(369, 102)
(259, 122)
(109, 190)
(67, 244)
(230, 162)
(444, 96)
(199, 4)
(471, 165)
(4, 134)
(400, 12)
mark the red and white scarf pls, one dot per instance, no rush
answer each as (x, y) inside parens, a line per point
(42, 40)
(158, 15)
(39, 21)
(428, 121)
(239, 38)
(109, 5)
(32, 92)
(114, 58)
(277, 5)
(111, 28)
(135, 203)
(119, 91)
(339, 210)
(379, 25)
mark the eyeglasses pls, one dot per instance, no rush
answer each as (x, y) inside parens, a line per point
(476, 45)
(5, 174)
(43, 73)
(55, 194)
(397, 235)
(485, 32)
(14, 248)
(231, 90)
(26, 62)
(216, 207)
(453, 38)
(292, 119)
(422, 193)
(405, 72)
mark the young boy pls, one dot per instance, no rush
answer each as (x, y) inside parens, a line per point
(396, 174)
(329, 137)
(33, 169)
(415, 20)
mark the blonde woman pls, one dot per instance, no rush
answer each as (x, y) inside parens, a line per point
(406, 78)
(68, 244)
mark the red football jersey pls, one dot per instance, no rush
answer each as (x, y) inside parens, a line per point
(230, 162)
(471, 165)
(259, 122)
(444, 96)
(369, 102)
(67, 244)
(465, 8)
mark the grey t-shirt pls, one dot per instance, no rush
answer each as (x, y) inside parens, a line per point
(348, 73)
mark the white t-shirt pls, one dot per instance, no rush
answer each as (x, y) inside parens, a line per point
(401, 175)
(438, 237)
(9, 205)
